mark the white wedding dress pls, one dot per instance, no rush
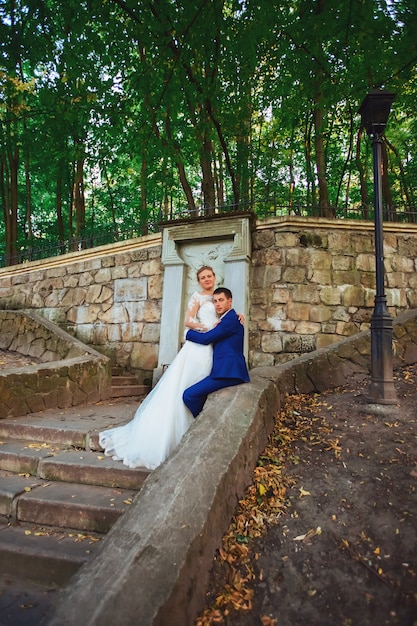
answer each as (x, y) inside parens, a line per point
(162, 419)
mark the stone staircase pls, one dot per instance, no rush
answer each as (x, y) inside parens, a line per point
(124, 384)
(59, 496)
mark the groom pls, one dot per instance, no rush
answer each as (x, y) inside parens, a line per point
(229, 366)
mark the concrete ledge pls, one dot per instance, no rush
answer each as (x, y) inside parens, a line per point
(70, 373)
(153, 567)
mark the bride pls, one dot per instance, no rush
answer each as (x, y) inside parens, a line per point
(162, 419)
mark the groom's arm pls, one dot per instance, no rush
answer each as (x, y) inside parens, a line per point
(226, 327)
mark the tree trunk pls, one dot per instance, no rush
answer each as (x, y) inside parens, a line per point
(362, 177)
(309, 167)
(406, 190)
(59, 218)
(143, 197)
(11, 237)
(390, 211)
(79, 199)
(318, 117)
(207, 185)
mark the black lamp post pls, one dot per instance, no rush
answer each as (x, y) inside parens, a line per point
(375, 110)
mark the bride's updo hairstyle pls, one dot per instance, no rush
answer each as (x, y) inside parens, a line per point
(203, 269)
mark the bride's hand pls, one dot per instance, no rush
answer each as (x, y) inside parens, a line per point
(241, 318)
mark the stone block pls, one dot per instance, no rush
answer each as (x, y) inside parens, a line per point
(271, 256)
(72, 281)
(330, 296)
(263, 239)
(74, 297)
(151, 311)
(119, 314)
(257, 313)
(103, 275)
(287, 239)
(86, 280)
(280, 294)
(306, 293)
(260, 359)
(298, 257)
(114, 332)
(340, 242)
(320, 313)
(407, 246)
(401, 263)
(320, 277)
(396, 298)
(120, 271)
(363, 242)
(84, 314)
(260, 297)
(345, 277)
(45, 287)
(144, 356)
(365, 262)
(107, 260)
(397, 279)
(346, 329)
(320, 260)
(155, 252)
(255, 339)
(132, 331)
(98, 293)
(298, 311)
(155, 284)
(324, 340)
(151, 333)
(307, 328)
(130, 289)
(342, 263)
(353, 296)
(151, 268)
(294, 275)
(271, 342)
(54, 299)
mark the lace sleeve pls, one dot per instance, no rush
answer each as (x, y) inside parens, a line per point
(192, 310)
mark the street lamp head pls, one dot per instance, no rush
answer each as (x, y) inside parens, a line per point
(375, 110)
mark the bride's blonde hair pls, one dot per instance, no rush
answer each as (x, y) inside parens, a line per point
(202, 269)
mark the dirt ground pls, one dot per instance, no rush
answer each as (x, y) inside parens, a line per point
(327, 533)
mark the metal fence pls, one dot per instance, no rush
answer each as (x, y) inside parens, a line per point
(34, 250)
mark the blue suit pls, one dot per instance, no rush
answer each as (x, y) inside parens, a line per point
(229, 365)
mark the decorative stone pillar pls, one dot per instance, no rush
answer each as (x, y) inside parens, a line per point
(220, 241)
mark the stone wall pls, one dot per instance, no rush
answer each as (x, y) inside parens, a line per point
(68, 373)
(110, 298)
(312, 283)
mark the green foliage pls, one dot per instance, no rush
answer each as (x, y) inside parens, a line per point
(115, 113)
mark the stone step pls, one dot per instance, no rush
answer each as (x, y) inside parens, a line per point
(81, 507)
(125, 390)
(59, 496)
(50, 462)
(25, 603)
(124, 380)
(85, 507)
(45, 555)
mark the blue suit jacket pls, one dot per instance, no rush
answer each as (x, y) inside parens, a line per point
(227, 340)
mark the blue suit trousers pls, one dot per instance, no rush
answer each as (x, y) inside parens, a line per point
(195, 396)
